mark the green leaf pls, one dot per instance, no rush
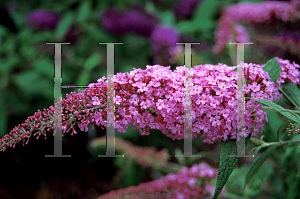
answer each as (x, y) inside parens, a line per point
(167, 18)
(83, 78)
(292, 91)
(96, 33)
(8, 64)
(186, 27)
(181, 160)
(205, 10)
(271, 127)
(44, 66)
(273, 68)
(32, 84)
(92, 61)
(255, 166)
(227, 163)
(27, 51)
(281, 110)
(133, 174)
(190, 27)
(64, 25)
(84, 11)
(257, 150)
(293, 188)
(40, 37)
(282, 129)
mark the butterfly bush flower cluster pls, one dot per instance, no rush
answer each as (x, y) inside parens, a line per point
(194, 182)
(144, 156)
(213, 108)
(251, 13)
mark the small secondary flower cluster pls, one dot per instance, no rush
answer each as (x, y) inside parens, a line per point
(293, 130)
(213, 108)
(144, 156)
(252, 13)
(194, 182)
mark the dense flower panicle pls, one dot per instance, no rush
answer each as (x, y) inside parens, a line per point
(43, 19)
(144, 156)
(194, 182)
(185, 8)
(212, 111)
(252, 13)
(136, 20)
(164, 45)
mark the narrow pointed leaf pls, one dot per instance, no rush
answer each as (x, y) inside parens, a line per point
(292, 91)
(287, 113)
(257, 163)
(227, 163)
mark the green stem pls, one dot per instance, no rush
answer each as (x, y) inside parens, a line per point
(267, 144)
(288, 98)
(173, 166)
(279, 143)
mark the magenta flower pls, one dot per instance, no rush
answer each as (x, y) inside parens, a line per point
(135, 90)
(43, 19)
(194, 182)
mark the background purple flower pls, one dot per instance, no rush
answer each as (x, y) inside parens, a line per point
(43, 19)
(136, 20)
(112, 21)
(72, 35)
(163, 44)
(185, 8)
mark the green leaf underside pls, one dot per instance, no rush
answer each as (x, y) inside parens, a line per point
(292, 91)
(227, 164)
(292, 116)
(273, 68)
(282, 128)
(257, 163)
